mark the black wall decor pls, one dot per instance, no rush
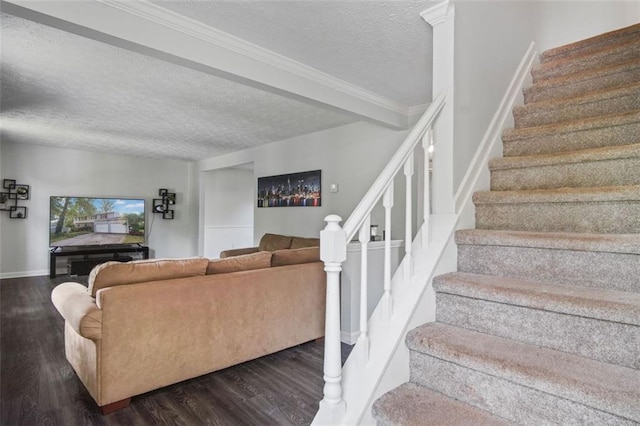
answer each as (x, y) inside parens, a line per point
(163, 205)
(10, 194)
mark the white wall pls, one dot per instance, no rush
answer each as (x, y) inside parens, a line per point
(351, 156)
(54, 171)
(563, 22)
(228, 196)
(491, 38)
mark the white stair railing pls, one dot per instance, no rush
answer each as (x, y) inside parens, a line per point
(333, 248)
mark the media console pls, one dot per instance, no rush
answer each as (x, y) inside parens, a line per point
(83, 265)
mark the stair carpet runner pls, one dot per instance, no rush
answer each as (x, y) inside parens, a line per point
(541, 323)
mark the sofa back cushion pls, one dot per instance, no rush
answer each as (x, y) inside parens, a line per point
(299, 242)
(245, 262)
(273, 242)
(295, 257)
(110, 274)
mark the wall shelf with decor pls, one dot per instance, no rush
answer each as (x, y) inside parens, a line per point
(163, 205)
(10, 194)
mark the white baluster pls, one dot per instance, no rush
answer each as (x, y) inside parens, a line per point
(408, 173)
(333, 252)
(427, 146)
(387, 302)
(364, 236)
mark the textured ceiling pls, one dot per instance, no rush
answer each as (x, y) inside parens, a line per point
(61, 89)
(65, 90)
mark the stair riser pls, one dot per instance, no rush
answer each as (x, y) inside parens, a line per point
(607, 341)
(553, 70)
(625, 134)
(571, 88)
(614, 217)
(515, 402)
(590, 48)
(529, 117)
(615, 172)
(613, 271)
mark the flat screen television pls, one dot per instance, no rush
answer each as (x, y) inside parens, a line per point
(93, 221)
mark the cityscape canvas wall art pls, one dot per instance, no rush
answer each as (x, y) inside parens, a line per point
(291, 190)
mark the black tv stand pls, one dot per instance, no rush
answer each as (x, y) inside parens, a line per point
(114, 251)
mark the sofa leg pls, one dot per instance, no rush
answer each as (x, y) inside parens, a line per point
(114, 406)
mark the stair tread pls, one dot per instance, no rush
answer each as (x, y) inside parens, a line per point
(559, 195)
(414, 405)
(591, 242)
(606, 387)
(592, 59)
(589, 74)
(572, 126)
(632, 89)
(614, 152)
(608, 305)
(581, 44)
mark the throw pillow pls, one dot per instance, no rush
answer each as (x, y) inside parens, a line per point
(246, 262)
(273, 242)
(299, 242)
(295, 257)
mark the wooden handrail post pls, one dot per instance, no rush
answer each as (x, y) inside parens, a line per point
(333, 252)
(387, 302)
(427, 146)
(363, 340)
(408, 235)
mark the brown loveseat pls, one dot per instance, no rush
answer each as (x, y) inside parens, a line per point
(143, 325)
(275, 242)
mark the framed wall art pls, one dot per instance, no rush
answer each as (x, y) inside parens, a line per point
(302, 189)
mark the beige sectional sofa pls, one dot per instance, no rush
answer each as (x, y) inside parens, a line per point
(143, 325)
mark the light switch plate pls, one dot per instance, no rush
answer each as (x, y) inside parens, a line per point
(333, 187)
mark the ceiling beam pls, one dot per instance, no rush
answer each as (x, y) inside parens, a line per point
(151, 30)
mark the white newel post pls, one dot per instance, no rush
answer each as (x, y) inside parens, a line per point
(408, 237)
(364, 236)
(387, 303)
(333, 252)
(441, 18)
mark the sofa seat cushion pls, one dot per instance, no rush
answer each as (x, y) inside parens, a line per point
(273, 242)
(246, 262)
(110, 274)
(295, 257)
(299, 242)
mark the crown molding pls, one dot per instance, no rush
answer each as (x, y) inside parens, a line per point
(159, 15)
(436, 14)
(418, 109)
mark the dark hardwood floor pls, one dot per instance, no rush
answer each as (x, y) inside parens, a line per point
(38, 386)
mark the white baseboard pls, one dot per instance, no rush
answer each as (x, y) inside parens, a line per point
(23, 274)
(349, 338)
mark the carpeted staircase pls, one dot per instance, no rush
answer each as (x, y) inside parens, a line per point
(541, 323)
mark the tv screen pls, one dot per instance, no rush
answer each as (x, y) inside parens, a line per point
(90, 221)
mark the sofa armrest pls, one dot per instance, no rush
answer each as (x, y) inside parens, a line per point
(79, 309)
(238, 252)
